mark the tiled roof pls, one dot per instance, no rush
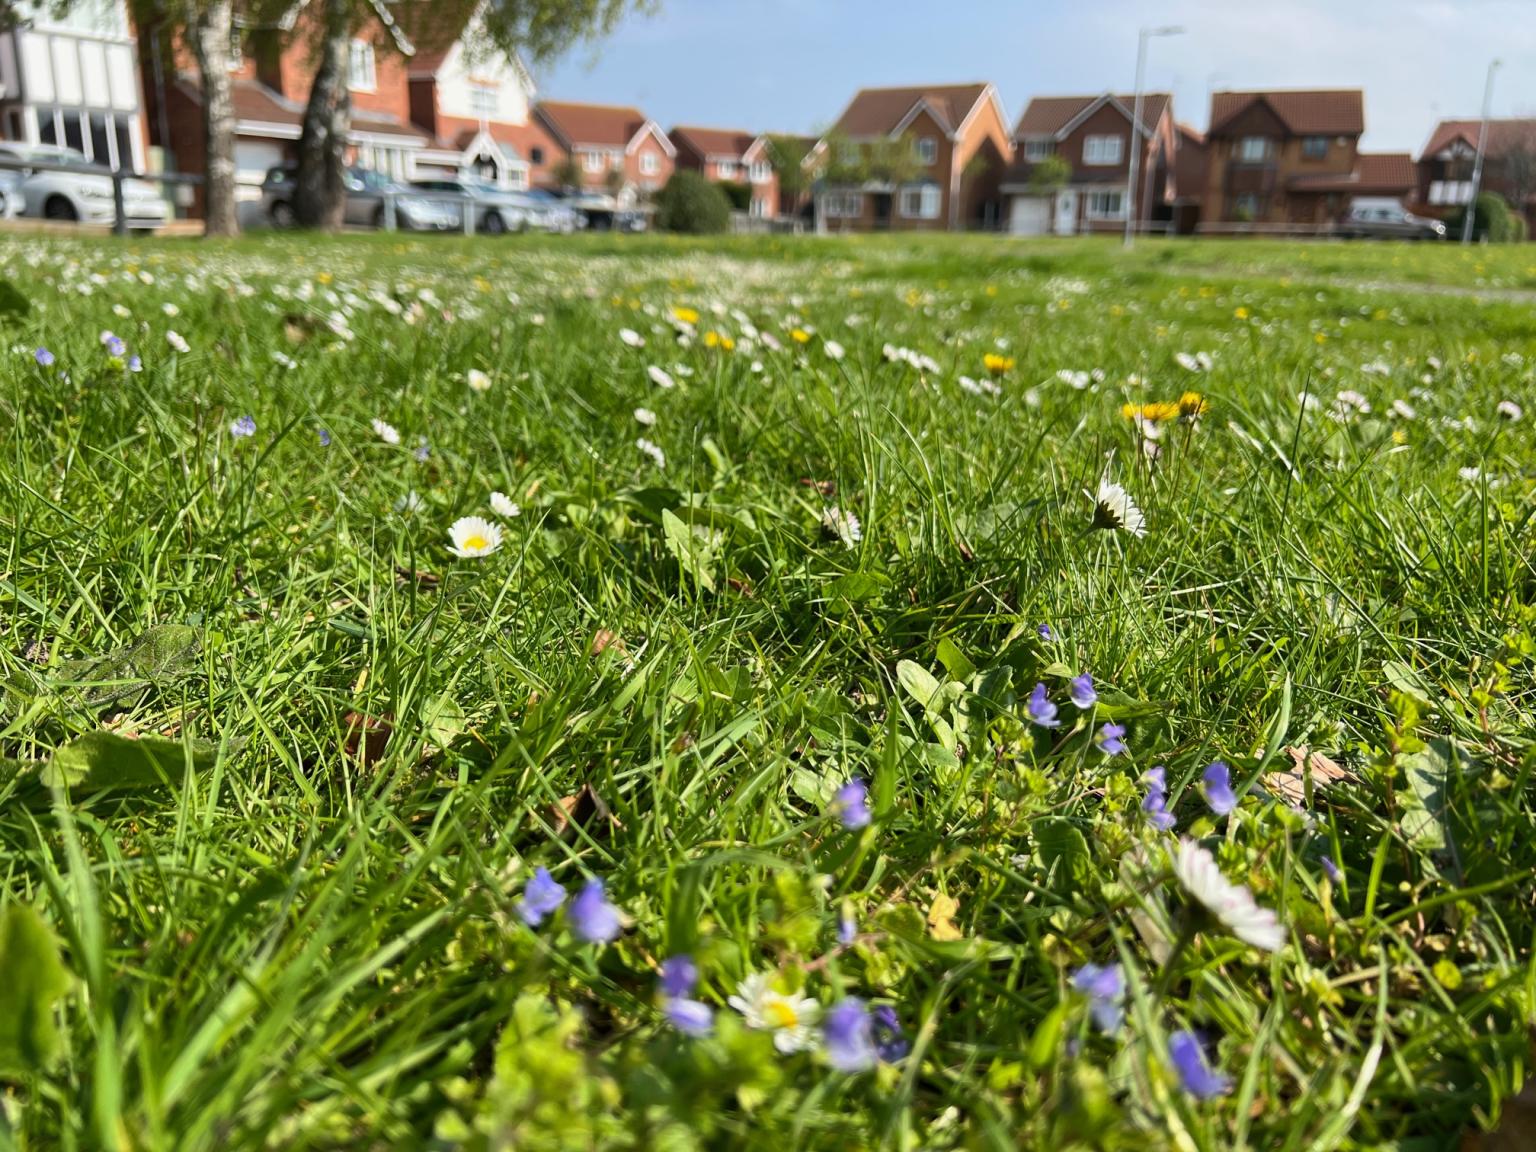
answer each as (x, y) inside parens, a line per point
(435, 29)
(877, 111)
(1383, 173)
(1048, 115)
(714, 141)
(593, 125)
(1319, 112)
(1503, 135)
(255, 102)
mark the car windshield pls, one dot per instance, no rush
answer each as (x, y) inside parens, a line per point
(42, 154)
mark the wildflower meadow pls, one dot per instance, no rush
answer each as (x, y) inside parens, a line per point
(928, 693)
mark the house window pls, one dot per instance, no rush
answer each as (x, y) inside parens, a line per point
(759, 207)
(650, 164)
(1037, 150)
(592, 161)
(760, 172)
(536, 155)
(1253, 149)
(484, 98)
(926, 150)
(726, 169)
(1450, 191)
(1105, 205)
(1102, 150)
(1314, 147)
(843, 205)
(920, 202)
(236, 49)
(361, 71)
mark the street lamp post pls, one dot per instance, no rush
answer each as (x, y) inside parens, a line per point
(1470, 215)
(1135, 168)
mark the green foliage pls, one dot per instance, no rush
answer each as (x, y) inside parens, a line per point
(692, 205)
(1050, 174)
(1492, 221)
(34, 979)
(13, 302)
(737, 193)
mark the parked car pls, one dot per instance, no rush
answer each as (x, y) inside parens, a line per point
(557, 215)
(1368, 220)
(12, 200)
(497, 210)
(70, 187)
(366, 190)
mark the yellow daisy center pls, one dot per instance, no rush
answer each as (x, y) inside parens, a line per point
(781, 1014)
(475, 543)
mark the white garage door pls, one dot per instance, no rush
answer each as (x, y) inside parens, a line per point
(254, 157)
(1029, 215)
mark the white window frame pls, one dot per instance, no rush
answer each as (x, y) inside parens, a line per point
(927, 202)
(926, 151)
(760, 172)
(847, 204)
(1253, 149)
(1038, 149)
(616, 161)
(361, 59)
(484, 98)
(1094, 204)
(759, 207)
(650, 164)
(592, 162)
(726, 169)
(1103, 151)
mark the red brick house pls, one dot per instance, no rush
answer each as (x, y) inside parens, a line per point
(729, 156)
(921, 158)
(606, 138)
(1444, 170)
(1094, 135)
(1191, 167)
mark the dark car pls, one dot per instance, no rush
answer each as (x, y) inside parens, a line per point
(366, 190)
(1388, 221)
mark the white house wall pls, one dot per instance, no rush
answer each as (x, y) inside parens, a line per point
(462, 67)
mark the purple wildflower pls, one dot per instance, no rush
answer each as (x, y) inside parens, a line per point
(679, 976)
(1218, 789)
(890, 1041)
(1046, 632)
(1041, 710)
(1082, 692)
(690, 1017)
(423, 451)
(593, 918)
(43, 357)
(847, 930)
(243, 427)
(542, 895)
(1331, 870)
(851, 804)
(115, 346)
(1105, 989)
(1111, 740)
(1199, 1079)
(325, 438)
(849, 1034)
(135, 364)
(1156, 803)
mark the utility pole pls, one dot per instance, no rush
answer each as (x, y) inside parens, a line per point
(1469, 217)
(1135, 167)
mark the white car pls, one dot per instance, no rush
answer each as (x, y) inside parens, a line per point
(12, 202)
(79, 191)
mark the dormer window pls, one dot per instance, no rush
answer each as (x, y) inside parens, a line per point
(1253, 149)
(1037, 150)
(926, 150)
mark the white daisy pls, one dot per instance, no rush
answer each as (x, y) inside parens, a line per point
(833, 349)
(478, 380)
(1509, 410)
(503, 507)
(170, 309)
(645, 416)
(1114, 509)
(631, 337)
(843, 524)
(659, 377)
(175, 341)
(386, 432)
(1403, 410)
(1230, 903)
(791, 1019)
(474, 536)
(658, 457)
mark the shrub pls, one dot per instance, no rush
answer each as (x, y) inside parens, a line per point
(740, 195)
(689, 203)
(1492, 221)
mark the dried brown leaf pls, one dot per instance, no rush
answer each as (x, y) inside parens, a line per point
(1291, 783)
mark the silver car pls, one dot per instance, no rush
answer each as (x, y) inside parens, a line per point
(61, 184)
(1388, 221)
(365, 205)
(497, 210)
(13, 201)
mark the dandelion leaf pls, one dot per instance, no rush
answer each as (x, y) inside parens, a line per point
(34, 978)
(158, 658)
(101, 760)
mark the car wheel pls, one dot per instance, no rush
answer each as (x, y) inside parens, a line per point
(59, 208)
(494, 224)
(282, 215)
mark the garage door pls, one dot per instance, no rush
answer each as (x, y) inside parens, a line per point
(1029, 216)
(254, 157)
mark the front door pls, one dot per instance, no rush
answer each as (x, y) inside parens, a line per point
(882, 209)
(1066, 212)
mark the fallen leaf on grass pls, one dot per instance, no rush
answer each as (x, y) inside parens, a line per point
(583, 809)
(424, 580)
(367, 737)
(1290, 784)
(941, 918)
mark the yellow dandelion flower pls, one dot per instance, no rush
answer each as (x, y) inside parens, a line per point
(1320, 338)
(1192, 405)
(800, 336)
(996, 364)
(686, 315)
(1160, 411)
(1242, 313)
(1399, 436)
(727, 343)
(711, 339)
(1130, 411)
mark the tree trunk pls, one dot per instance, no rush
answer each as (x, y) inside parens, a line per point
(211, 38)
(320, 196)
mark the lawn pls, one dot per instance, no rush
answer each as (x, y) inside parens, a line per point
(933, 693)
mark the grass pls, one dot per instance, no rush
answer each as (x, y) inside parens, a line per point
(285, 912)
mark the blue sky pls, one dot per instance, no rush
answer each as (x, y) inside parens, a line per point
(790, 65)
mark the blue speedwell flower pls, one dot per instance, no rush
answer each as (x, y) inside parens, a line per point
(1331, 870)
(849, 1036)
(1105, 989)
(690, 1017)
(43, 357)
(1082, 692)
(243, 427)
(847, 930)
(1041, 710)
(851, 804)
(1046, 632)
(1218, 789)
(115, 346)
(1111, 739)
(593, 918)
(1156, 803)
(325, 438)
(135, 364)
(679, 975)
(1199, 1079)
(890, 1041)
(542, 896)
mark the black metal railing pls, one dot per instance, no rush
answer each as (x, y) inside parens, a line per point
(118, 176)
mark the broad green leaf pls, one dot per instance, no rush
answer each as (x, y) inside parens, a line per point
(958, 664)
(692, 547)
(1405, 680)
(34, 978)
(100, 760)
(158, 658)
(1424, 824)
(918, 681)
(855, 588)
(1064, 853)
